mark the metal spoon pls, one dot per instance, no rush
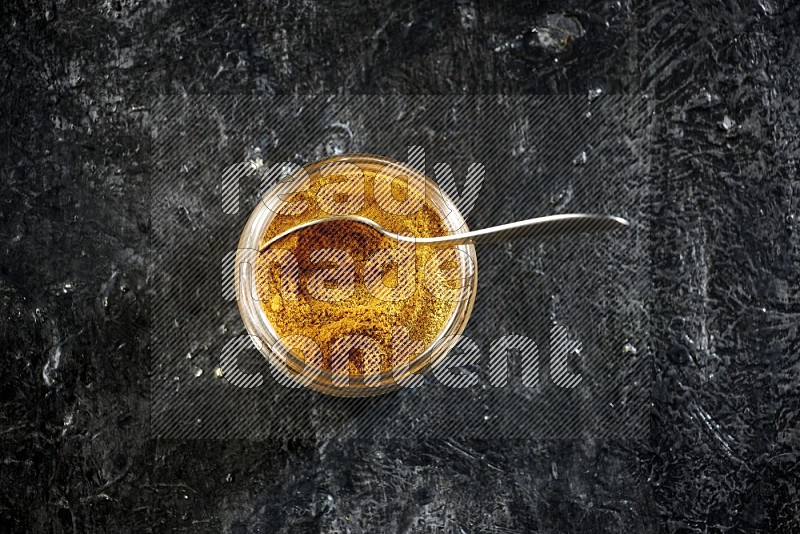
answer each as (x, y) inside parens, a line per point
(539, 227)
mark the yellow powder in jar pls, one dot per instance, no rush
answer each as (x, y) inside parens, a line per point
(400, 328)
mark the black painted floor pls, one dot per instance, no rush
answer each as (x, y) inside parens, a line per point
(78, 81)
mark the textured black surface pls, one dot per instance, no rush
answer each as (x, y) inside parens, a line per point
(77, 82)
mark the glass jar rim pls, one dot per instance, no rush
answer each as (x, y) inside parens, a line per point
(267, 340)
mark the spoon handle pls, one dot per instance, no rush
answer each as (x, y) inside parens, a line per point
(539, 227)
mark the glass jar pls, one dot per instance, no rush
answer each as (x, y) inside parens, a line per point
(292, 367)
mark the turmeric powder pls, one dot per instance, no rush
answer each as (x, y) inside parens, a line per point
(395, 304)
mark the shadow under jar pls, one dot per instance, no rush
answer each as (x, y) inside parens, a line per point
(338, 307)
